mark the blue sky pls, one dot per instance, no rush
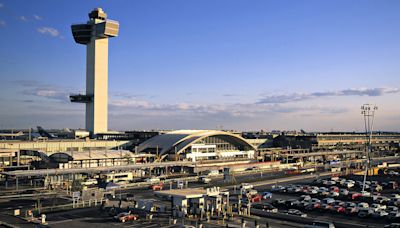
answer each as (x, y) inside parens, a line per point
(244, 65)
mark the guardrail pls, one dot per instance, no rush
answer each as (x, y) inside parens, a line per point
(28, 195)
(28, 213)
(147, 184)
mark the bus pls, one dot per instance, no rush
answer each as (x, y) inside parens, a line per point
(119, 177)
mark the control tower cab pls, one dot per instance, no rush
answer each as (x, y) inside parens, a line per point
(94, 34)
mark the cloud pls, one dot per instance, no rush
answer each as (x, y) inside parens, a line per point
(23, 18)
(293, 97)
(41, 90)
(49, 31)
(1, 5)
(2, 23)
(37, 17)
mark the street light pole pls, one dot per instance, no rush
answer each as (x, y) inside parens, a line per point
(368, 111)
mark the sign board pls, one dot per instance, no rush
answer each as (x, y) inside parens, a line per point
(17, 212)
(76, 195)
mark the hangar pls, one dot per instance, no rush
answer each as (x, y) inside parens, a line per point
(195, 145)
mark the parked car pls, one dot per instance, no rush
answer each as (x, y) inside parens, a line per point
(279, 203)
(255, 198)
(381, 199)
(356, 195)
(344, 192)
(340, 209)
(333, 194)
(349, 184)
(305, 197)
(267, 195)
(278, 188)
(350, 204)
(379, 214)
(392, 225)
(363, 213)
(351, 210)
(377, 207)
(363, 205)
(394, 216)
(395, 195)
(328, 200)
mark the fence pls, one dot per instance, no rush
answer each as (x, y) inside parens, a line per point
(30, 213)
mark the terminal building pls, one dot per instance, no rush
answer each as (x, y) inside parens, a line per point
(197, 145)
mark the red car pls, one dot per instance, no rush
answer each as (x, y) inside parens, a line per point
(334, 189)
(340, 209)
(129, 217)
(126, 216)
(256, 198)
(356, 195)
(317, 205)
(157, 187)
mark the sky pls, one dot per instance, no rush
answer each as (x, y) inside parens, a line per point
(207, 64)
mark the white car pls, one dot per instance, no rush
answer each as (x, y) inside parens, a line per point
(395, 195)
(365, 193)
(153, 180)
(348, 184)
(252, 192)
(246, 186)
(315, 200)
(377, 207)
(379, 214)
(363, 205)
(89, 182)
(328, 200)
(204, 179)
(333, 194)
(344, 192)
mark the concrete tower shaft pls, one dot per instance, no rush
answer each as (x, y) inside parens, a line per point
(94, 34)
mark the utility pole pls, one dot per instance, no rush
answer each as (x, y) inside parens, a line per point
(368, 111)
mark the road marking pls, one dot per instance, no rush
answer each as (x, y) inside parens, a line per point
(62, 221)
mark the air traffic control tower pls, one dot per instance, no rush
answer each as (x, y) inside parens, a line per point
(94, 34)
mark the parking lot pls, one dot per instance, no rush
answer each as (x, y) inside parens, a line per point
(338, 199)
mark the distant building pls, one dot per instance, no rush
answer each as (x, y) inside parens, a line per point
(195, 145)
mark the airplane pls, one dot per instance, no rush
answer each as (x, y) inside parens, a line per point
(44, 133)
(11, 135)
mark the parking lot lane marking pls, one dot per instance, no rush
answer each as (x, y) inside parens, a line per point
(62, 221)
(151, 225)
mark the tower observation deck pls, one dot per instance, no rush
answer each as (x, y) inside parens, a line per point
(94, 34)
